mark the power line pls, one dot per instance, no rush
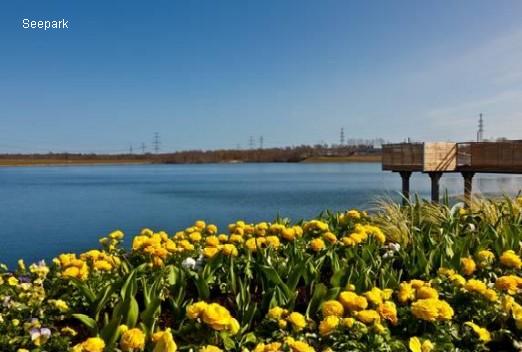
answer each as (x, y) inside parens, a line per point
(130, 149)
(143, 147)
(251, 142)
(480, 132)
(261, 139)
(342, 136)
(156, 142)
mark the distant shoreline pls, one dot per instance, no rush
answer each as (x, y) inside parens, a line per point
(60, 162)
(344, 159)
(78, 162)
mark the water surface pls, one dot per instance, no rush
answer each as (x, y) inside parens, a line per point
(48, 210)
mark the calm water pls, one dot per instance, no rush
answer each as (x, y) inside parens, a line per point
(47, 210)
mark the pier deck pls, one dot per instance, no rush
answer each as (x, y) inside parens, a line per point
(440, 157)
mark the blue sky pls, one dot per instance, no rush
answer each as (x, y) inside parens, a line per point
(209, 74)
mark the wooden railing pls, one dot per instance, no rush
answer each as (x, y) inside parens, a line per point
(490, 156)
(403, 156)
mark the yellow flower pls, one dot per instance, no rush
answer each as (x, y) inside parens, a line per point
(507, 303)
(427, 292)
(234, 326)
(276, 313)
(116, 235)
(92, 344)
(406, 292)
(236, 239)
(333, 307)
(229, 250)
(330, 237)
(427, 346)
(416, 346)
(195, 310)
(212, 229)
(210, 252)
(317, 244)
(445, 271)
(21, 265)
(431, 309)
(217, 317)
(297, 320)
(300, 346)
(416, 284)
(12, 281)
(458, 280)
(353, 301)
(164, 342)
(102, 265)
(485, 256)
(467, 266)
(511, 260)
(288, 233)
(491, 295)
(374, 296)
(388, 311)
(273, 241)
(348, 241)
(474, 285)
(212, 241)
(379, 328)
(348, 322)
(132, 339)
(68, 331)
(353, 214)
(59, 304)
(200, 224)
(444, 309)
(387, 293)
(368, 316)
(509, 283)
(482, 333)
(328, 325)
(210, 348)
(271, 347)
(375, 232)
(195, 236)
(251, 244)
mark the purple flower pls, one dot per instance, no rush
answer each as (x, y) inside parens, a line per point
(24, 279)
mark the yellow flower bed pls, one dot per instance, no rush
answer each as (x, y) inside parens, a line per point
(420, 278)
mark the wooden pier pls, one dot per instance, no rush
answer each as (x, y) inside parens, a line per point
(440, 157)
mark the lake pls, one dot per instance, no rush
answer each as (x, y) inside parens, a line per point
(48, 210)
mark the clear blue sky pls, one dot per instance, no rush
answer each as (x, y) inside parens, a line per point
(208, 74)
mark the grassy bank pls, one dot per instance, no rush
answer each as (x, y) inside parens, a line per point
(418, 278)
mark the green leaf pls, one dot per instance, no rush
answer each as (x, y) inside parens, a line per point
(132, 312)
(87, 321)
(316, 299)
(149, 314)
(227, 341)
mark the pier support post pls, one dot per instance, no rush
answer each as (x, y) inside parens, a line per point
(435, 178)
(405, 176)
(468, 185)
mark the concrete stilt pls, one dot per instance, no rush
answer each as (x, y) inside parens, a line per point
(435, 178)
(468, 185)
(405, 176)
